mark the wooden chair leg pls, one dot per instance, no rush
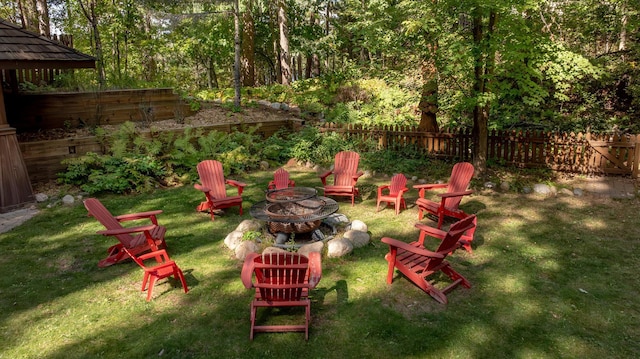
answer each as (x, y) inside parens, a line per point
(150, 290)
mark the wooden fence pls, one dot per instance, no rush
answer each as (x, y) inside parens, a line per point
(568, 152)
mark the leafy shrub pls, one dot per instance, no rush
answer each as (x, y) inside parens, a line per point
(135, 163)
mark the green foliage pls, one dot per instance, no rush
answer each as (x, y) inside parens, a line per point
(137, 163)
(407, 160)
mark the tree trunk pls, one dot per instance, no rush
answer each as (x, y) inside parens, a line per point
(30, 17)
(480, 116)
(248, 47)
(89, 12)
(212, 77)
(285, 56)
(43, 18)
(238, 50)
(622, 45)
(429, 98)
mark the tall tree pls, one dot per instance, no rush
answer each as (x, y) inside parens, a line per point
(90, 12)
(237, 51)
(248, 46)
(285, 55)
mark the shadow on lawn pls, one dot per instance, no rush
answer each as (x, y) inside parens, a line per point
(551, 277)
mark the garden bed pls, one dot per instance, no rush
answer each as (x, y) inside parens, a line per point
(43, 151)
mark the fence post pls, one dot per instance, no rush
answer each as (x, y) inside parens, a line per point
(636, 157)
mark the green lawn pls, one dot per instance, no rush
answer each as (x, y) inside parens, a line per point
(552, 278)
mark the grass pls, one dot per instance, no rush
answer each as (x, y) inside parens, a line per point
(552, 278)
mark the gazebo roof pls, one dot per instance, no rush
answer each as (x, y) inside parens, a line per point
(22, 49)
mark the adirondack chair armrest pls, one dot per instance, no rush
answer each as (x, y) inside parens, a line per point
(128, 230)
(235, 183)
(422, 188)
(292, 183)
(428, 186)
(430, 231)
(315, 269)
(202, 188)
(323, 177)
(454, 194)
(382, 188)
(140, 215)
(160, 255)
(394, 243)
(247, 270)
(357, 175)
(272, 185)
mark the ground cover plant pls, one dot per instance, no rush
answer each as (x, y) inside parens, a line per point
(552, 278)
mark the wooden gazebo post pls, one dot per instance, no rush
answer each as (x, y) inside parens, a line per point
(15, 185)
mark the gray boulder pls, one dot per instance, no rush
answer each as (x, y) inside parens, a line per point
(358, 238)
(244, 248)
(311, 247)
(358, 225)
(339, 247)
(233, 239)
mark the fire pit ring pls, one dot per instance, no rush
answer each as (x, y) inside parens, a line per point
(293, 210)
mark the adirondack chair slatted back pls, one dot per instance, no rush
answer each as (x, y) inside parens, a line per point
(458, 182)
(282, 276)
(450, 241)
(212, 176)
(398, 183)
(280, 179)
(102, 214)
(345, 167)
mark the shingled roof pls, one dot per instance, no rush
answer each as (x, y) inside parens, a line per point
(21, 49)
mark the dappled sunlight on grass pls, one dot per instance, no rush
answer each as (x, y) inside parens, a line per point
(551, 277)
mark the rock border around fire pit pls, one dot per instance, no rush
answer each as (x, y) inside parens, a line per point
(252, 236)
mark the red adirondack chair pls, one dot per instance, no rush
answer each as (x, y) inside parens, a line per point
(345, 175)
(281, 180)
(395, 191)
(450, 200)
(282, 279)
(213, 185)
(419, 264)
(163, 268)
(132, 240)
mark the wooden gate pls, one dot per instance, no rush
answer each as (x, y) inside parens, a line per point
(615, 155)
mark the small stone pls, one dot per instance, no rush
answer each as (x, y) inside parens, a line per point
(422, 181)
(489, 185)
(526, 189)
(282, 238)
(311, 247)
(68, 199)
(249, 225)
(541, 188)
(358, 225)
(244, 248)
(578, 192)
(264, 165)
(41, 197)
(233, 239)
(358, 238)
(276, 105)
(284, 107)
(335, 219)
(339, 247)
(566, 192)
(414, 178)
(504, 186)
